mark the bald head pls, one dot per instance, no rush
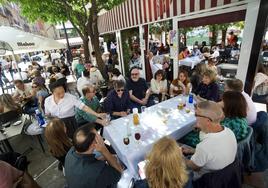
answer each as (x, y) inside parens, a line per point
(83, 138)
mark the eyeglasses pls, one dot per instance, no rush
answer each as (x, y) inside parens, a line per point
(134, 74)
(118, 90)
(34, 86)
(197, 115)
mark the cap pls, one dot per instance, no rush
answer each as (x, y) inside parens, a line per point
(210, 109)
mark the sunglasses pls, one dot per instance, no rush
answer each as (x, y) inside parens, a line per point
(134, 74)
(197, 115)
(34, 86)
(118, 90)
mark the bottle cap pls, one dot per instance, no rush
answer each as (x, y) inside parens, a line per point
(135, 110)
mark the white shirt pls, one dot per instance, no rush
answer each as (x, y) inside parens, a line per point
(215, 151)
(251, 111)
(59, 75)
(155, 66)
(81, 82)
(95, 76)
(65, 107)
(24, 93)
(120, 77)
(156, 86)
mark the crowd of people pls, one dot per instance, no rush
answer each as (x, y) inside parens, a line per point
(75, 125)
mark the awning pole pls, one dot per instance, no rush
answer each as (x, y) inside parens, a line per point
(13, 55)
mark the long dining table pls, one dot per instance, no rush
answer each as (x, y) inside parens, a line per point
(162, 119)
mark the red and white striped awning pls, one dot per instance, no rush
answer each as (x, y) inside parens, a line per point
(135, 12)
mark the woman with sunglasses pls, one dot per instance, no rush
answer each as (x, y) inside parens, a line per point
(117, 102)
(41, 92)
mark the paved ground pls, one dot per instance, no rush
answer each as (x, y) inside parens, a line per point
(43, 167)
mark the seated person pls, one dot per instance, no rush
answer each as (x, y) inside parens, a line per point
(12, 177)
(56, 73)
(95, 76)
(57, 139)
(24, 95)
(237, 85)
(218, 145)
(206, 52)
(212, 65)
(208, 88)
(184, 53)
(117, 102)
(79, 68)
(82, 81)
(38, 78)
(138, 90)
(159, 85)
(260, 89)
(8, 104)
(116, 75)
(171, 169)
(89, 99)
(82, 169)
(196, 52)
(235, 112)
(181, 85)
(41, 92)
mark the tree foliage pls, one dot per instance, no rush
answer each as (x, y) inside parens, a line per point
(83, 18)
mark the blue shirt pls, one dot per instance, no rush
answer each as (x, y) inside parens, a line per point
(115, 104)
(209, 92)
(82, 171)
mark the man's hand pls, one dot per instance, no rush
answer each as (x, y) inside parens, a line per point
(123, 114)
(187, 150)
(99, 145)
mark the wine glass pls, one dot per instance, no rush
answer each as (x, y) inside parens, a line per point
(126, 140)
(108, 119)
(137, 137)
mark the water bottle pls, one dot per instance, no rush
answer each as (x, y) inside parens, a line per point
(191, 98)
(39, 117)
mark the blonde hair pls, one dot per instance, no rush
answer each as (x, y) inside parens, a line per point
(56, 137)
(165, 167)
(211, 74)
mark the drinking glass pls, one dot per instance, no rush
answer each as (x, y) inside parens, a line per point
(143, 109)
(108, 119)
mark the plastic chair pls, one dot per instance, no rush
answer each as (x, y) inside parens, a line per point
(244, 153)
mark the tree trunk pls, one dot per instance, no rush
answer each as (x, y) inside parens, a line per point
(86, 49)
(223, 34)
(213, 39)
(96, 45)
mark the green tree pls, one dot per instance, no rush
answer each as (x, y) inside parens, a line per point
(83, 17)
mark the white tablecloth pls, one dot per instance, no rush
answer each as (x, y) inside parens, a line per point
(190, 61)
(152, 127)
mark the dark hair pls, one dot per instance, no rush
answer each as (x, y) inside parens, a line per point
(18, 82)
(119, 83)
(160, 72)
(116, 72)
(55, 69)
(235, 104)
(86, 73)
(134, 68)
(53, 84)
(88, 137)
(234, 84)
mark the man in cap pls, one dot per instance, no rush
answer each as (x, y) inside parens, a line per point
(218, 145)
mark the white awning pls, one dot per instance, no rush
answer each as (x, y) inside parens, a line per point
(23, 42)
(72, 41)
